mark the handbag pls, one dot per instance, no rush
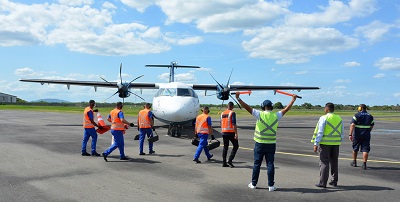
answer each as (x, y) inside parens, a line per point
(195, 141)
(213, 144)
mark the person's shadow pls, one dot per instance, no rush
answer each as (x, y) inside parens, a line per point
(335, 189)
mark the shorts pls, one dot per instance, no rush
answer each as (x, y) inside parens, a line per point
(363, 142)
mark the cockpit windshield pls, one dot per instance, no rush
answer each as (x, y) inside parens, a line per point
(184, 92)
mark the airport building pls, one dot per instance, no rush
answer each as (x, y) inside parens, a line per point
(7, 98)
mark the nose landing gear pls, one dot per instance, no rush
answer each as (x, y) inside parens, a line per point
(175, 130)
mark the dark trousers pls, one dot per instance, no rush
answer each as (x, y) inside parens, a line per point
(261, 151)
(328, 156)
(229, 137)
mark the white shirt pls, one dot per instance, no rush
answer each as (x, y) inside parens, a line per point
(321, 128)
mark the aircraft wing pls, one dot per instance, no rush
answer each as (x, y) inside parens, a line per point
(251, 87)
(91, 83)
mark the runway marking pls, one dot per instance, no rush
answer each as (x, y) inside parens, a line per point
(316, 156)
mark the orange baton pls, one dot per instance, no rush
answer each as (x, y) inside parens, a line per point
(285, 93)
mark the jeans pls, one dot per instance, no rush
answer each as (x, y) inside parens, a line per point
(229, 137)
(142, 134)
(261, 151)
(89, 132)
(202, 145)
(118, 143)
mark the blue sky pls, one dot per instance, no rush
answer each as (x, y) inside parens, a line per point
(350, 49)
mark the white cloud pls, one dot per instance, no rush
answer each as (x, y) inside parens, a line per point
(343, 81)
(28, 72)
(388, 63)
(295, 45)
(374, 31)
(378, 76)
(139, 5)
(352, 64)
(397, 94)
(301, 72)
(335, 12)
(75, 2)
(340, 87)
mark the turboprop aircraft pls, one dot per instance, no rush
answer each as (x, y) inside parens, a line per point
(175, 103)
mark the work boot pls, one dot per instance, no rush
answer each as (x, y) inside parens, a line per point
(230, 164)
(124, 158)
(152, 152)
(209, 158)
(196, 160)
(353, 163)
(85, 154)
(95, 154)
(224, 164)
(104, 156)
(142, 154)
(332, 183)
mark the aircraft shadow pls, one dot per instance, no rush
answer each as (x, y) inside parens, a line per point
(335, 189)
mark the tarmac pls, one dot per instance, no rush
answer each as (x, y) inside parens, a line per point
(41, 161)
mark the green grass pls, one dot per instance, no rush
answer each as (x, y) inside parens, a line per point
(214, 111)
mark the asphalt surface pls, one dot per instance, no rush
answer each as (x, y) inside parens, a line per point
(41, 161)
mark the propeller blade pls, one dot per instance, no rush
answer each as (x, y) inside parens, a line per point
(136, 95)
(137, 78)
(227, 84)
(110, 96)
(120, 70)
(104, 80)
(235, 101)
(217, 81)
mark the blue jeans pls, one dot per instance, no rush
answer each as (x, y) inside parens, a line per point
(118, 143)
(261, 151)
(89, 132)
(202, 145)
(142, 134)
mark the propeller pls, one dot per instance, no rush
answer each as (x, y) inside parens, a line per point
(123, 88)
(224, 91)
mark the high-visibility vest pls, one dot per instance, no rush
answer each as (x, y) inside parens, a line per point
(143, 118)
(332, 132)
(201, 124)
(116, 123)
(226, 121)
(86, 121)
(266, 128)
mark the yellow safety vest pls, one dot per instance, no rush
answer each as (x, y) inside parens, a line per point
(332, 132)
(266, 128)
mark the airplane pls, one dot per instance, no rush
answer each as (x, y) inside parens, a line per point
(175, 103)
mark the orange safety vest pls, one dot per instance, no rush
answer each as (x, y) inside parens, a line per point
(86, 121)
(144, 120)
(226, 121)
(201, 124)
(116, 123)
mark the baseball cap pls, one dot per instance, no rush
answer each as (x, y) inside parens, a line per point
(266, 103)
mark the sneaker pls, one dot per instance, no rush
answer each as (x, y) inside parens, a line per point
(85, 154)
(209, 158)
(353, 163)
(152, 152)
(272, 188)
(251, 186)
(104, 156)
(230, 164)
(196, 160)
(364, 166)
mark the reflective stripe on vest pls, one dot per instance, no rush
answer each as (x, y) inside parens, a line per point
(201, 124)
(116, 123)
(266, 128)
(144, 120)
(226, 121)
(86, 121)
(332, 131)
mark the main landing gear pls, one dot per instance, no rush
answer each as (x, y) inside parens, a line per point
(175, 130)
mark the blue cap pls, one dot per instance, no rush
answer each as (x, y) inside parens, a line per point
(266, 103)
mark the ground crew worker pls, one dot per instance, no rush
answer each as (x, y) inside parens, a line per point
(327, 138)
(89, 130)
(265, 138)
(229, 133)
(116, 117)
(145, 124)
(202, 129)
(360, 134)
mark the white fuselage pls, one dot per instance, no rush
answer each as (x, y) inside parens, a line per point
(175, 103)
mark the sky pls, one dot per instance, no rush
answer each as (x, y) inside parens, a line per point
(348, 48)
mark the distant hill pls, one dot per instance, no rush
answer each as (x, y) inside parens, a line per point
(49, 100)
